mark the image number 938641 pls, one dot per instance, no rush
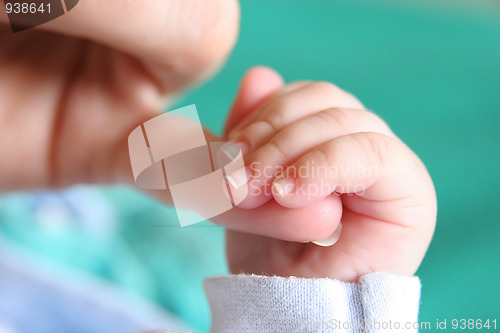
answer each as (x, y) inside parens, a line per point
(27, 14)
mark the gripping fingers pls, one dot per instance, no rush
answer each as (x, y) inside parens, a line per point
(303, 100)
(289, 144)
(255, 112)
(296, 225)
(372, 166)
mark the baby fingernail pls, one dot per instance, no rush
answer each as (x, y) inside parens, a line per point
(284, 186)
(239, 177)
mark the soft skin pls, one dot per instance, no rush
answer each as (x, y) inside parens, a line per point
(388, 218)
(72, 90)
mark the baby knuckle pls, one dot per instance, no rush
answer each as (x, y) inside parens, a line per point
(326, 88)
(338, 118)
(276, 149)
(323, 156)
(375, 147)
(279, 112)
(256, 131)
(269, 125)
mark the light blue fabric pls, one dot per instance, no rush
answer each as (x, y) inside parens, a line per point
(37, 300)
(138, 247)
(45, 299)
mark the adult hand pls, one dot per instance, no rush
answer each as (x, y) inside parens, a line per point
(72, 89)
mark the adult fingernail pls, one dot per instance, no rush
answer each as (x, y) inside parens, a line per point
(230, 151)
(241, 146)
(332, 239)
(239, 177)
(284, 186)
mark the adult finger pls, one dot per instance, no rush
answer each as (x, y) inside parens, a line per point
(178, 41)
(275, 221)
(272, 219)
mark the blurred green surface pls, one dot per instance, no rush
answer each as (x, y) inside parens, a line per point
(431, 69)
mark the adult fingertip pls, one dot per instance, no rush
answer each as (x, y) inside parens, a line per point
(332, 239)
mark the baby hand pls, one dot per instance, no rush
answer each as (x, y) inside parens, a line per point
(311, 142)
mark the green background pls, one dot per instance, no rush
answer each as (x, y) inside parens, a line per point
(431, 69)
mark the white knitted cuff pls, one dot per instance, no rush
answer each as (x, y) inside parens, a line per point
(379, 302)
